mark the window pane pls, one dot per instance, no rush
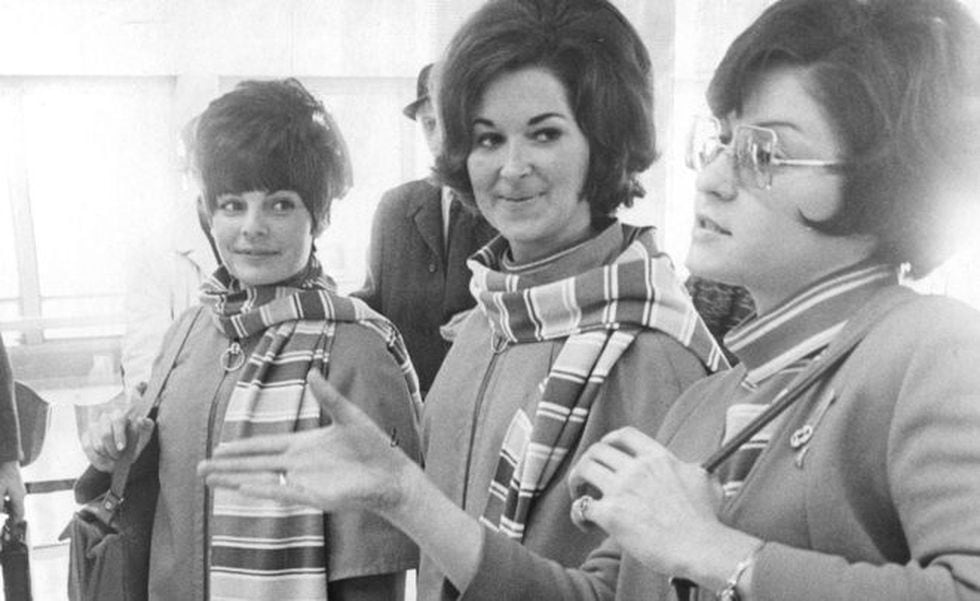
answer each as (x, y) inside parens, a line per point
(99, 156)
(9, 286)
(371, 119)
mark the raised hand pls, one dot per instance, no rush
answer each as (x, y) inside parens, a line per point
(658, 508)
(349, 463)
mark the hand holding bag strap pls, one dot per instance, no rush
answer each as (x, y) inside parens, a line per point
(120, 474)
(853, 333)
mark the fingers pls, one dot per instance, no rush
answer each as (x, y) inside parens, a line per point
(633, 442)
(117, 427)
(237, 480)
(260, 445)
(105, 441)
(596, 469)
(590, 477)
(332, 404)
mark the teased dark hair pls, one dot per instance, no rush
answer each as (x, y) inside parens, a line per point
(596, 54)
(895, 77)
(272, 135)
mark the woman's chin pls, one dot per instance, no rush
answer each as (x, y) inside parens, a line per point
(257, 277)
(709, 267)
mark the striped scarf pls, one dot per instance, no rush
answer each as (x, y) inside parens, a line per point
(600, 312)
(264, 549)
(774, 348)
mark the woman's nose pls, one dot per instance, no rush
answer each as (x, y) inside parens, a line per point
(516, 162)
(718, 177)
(254, 223)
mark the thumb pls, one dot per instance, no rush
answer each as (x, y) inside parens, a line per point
(332, 404)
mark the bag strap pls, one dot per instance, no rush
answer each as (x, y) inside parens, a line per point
(120, 474)
(853, 333)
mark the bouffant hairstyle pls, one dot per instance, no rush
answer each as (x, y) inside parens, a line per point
(596, 54)
(269, 136)
(896, 78)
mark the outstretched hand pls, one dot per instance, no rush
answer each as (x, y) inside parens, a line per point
(349, 463)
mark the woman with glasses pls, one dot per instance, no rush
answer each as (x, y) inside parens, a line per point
(843, 139)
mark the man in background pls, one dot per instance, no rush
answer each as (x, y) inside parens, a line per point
(420, 238)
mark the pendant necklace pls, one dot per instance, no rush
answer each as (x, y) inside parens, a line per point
(233, 357)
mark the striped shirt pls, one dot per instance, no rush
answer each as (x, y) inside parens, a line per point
(775, 347)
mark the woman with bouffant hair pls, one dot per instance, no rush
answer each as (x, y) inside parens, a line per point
(271, 161)
(604, 70)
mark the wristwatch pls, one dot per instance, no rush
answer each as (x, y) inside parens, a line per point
(730, 592)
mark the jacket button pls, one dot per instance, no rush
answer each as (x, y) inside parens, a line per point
(432, 267)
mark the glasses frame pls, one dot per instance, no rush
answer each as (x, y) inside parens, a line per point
(762, 179)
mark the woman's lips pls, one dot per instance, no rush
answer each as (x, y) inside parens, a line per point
(251, 252)
(710, 225)
(517, 198)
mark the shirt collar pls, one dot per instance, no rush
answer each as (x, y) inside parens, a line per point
(601, 249)
(806, 322)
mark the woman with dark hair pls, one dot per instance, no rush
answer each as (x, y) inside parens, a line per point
(271, 161)
(843, 139)
(583, 325)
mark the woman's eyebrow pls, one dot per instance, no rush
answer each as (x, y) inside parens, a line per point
(543, 117)
(532, 121)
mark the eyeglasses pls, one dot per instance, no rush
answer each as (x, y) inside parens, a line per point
(754, 149)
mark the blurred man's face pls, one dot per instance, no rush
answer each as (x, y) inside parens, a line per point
(426, 118)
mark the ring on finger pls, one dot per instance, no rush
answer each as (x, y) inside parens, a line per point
(282, 478)
(580, 508)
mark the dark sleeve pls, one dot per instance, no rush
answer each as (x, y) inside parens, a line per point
(362, 543)
(370, 291)
(9, 428)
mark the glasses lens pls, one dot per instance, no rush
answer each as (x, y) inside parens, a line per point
(704, 143)
(753, 153)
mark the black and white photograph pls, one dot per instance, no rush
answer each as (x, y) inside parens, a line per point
(466, 300)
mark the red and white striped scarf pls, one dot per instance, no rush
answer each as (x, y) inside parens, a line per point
(600, 312)
(264, 549)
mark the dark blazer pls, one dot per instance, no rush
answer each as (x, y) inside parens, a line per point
(410, 279)
(9, 432)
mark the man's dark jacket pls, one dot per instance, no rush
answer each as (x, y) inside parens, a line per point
(410, 279)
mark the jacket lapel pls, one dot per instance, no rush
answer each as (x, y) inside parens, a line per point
(427, 214)
(468, 233)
